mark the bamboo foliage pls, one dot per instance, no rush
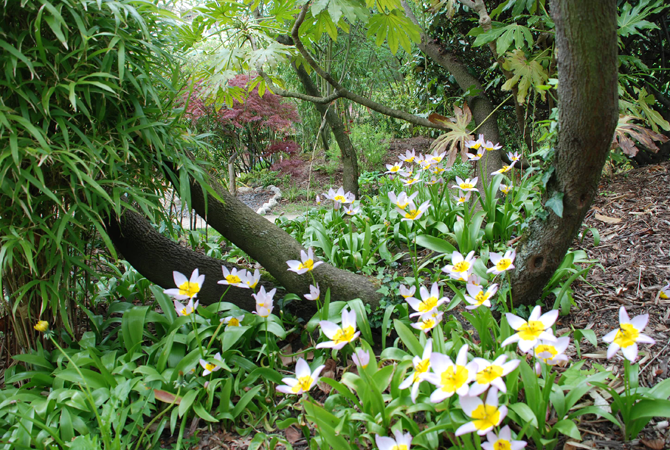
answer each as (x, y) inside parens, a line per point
(86, 124)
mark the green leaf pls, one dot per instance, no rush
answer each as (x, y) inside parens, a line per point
(408, 338)
(526, 74)
(568, 428)
(186, 401)
(435, 244)
(93, 379)
(132, 326)
(556, 203)
(648, 408)
(524, 413)
(396, 28)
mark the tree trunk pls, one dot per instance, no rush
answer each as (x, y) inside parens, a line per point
(349, 159)
(586, 41)
(481, 107)
(272, 247)
(156, 257)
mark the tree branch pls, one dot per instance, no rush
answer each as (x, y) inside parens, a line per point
(308, 98)
(343, 92)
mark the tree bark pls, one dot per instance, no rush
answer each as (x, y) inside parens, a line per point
(271, 247)
(156, 257)
(587, 72)
(349, 159)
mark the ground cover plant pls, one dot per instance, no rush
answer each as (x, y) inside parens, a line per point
(501, 381)
(428, 309)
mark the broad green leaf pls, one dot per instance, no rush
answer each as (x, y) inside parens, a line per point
(526, 74)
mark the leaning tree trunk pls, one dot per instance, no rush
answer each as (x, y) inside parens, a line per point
(271, 246)
(586, 38)
(156, 257)
(349, 160)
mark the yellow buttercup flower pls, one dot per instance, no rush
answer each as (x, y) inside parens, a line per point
(42, 326)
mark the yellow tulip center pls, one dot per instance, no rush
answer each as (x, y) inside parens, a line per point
(462, 266)
(427, 304)
(531, 330)
(344, 335)
(410, 159)
(399, 447)
(488, 374)
(664, 296)
(486, 417)
(545, 352)
(453, 378)
(233, 322)
(413, 214)
(189, 289)
(186, 311)
(466, 185)
(210, 367)
(427, 324)
(420, 368)
(395, 168)
(462, 199)
(481, 297)
(503, 264)
(402, 205)
(502, 444)
(309, 265)
(476, 146)
(626, 336)
(304, 383)
(233, 279)
(340, 198)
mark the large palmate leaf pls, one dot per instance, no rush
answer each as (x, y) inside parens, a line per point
(526, 74)
(455, 139)
(632, 21)
(396, 28)
(627, 133)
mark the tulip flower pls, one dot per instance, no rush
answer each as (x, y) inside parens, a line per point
(405, 292)
(460, 267)
(339, 335)
(421, 365)
(505, 189)
(185, 310)
(466, 185)
(304, 379)
(234, 277)
(185, 288)
(401, 441)
(264, 301)
(428, 321)
(538, 327)
(408, 156)
(306, 263)
(490, 146)
(361, 358)
(412, 213)
(514, 157)
(314, 292)
(475, 144)
(502, 441)
(477, 156)
(477, 297)
(486, 414)
(429, 300)
(491, 373)
(665, 292)
(449, 377)
(252, 280)
(628, 335)
(340, 197)
(504, 169)
(232, 321)
(553, 353)
(209, 367)
(410, 181)
(402, 200)
(502, 263)
(394, 168)
(462, 197)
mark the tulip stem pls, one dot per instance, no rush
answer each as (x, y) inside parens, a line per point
(197, 336)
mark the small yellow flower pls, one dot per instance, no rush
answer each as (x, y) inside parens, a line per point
(42, 326)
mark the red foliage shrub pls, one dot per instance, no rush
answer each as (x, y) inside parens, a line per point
(288, 146)
(293, 167)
